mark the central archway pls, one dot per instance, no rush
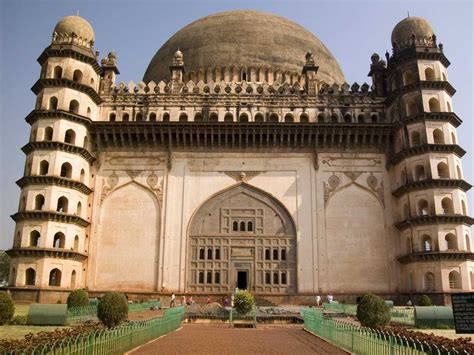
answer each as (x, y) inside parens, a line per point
(242, 237)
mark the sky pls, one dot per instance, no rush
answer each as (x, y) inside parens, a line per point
(351, 29)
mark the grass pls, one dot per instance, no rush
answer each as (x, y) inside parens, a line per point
(19, 331)
(21, 309)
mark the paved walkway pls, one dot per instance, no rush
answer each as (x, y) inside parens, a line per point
(220, 339)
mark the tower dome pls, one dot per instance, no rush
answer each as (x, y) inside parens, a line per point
(244, 39)
(77, 25)
(412, 25)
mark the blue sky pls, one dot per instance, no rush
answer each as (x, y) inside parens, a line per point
(352, 30)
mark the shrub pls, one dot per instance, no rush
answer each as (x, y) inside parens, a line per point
(18, 320)
(112, 309)
(372, 311)
(78, 298)
(243, 302)
(425, 301)
(7, 309)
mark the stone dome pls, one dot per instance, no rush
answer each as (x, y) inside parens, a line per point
(77, 25)
(244, 39)
(403, 31)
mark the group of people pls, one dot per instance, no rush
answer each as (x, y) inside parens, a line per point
(188, 301)
(329, 299)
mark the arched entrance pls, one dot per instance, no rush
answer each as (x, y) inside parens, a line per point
(242, 237)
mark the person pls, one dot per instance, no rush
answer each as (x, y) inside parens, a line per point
(318, 300)
(173, 299)
(232, 301)
(191, 301)
(329, 297)
(409, 303)
(208, 299)
(184, 300)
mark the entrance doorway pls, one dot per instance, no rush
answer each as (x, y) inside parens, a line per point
(242, 280)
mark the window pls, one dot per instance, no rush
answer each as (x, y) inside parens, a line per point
(267, 278)
(423, 208)
(228, 117)
(89, 112)
(347, 118)
(53, 103)
(59, 240)
(458, 171)
(139, 116)
(412, 108)
(55, 277)
(429, 74)
(443, 171)
(374, 118)
(125, 117)
(35, 238)
(429, 282)
(453, 138)
(321, 118)
(288, 117)
(463, 207)
(183, 117)
(66, 170)
(447, 206)
(79, 209)
(433, 104)
(112, 117)
(438, 136)
(57, 72)
(304, 118)
(408, 77)
(427, 245)
(258, 117)
(275, 254)
(218, 254)
(39, 202)
(166, 117)
(217, 277)
(209, 277)
(213, 117)
(235, 226)
(201, 254)
(420, 173)
(48, 134)
(76, 243)
(73, 279)
(30, 277)
(152, 117)
(209, 253)
(249, 226)
(468, 243)
(273, 118)
(81, 176)
(334, 118)
(360, 118)
(448, 107)
(451, 242)
(77, 76)
(415, 138)
(74, 106)
(454, 280)
(242, 226)
(283, 254)
(283, 278)
(267, 254)
(275, 278)
(70, 137)
(62, 206)
(43, 167)
(243, 117)
(201, 277)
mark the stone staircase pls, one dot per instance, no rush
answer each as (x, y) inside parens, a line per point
(263, 302)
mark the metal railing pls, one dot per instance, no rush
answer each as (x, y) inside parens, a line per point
(365, 341)
(114, 341)
(86, 313)
(398, 315)
(249, 318)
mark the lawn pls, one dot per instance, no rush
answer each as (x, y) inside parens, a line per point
(19, 331)
(21, 309)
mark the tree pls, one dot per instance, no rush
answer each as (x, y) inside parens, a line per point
(372, 311)
(4, 266)
(243, 302)
(112, 309)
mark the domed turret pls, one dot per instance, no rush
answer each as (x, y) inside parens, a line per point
(77, 25)
(403, 32)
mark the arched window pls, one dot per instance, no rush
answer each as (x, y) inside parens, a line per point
(73, 279)
(48, 134)
(235, 226)
(448, 106)
(334, 118)
(275, 254)
(412, 108)
(70, 137)
(426, 243)
(209, 253)
(443, 170)
(275, 278)
(92, 81)
(468, 243)
(243, 117)
(217, 277)
(242, 226)
(321, 118)
(268, 278)
(463, 207)
(458, 171)
(201, 277)
(183, 117)
(213, 117)
(434, 105)
(429, 74)
(82, 175)
(125, 117)
(438, 136)
(66, 170)
(74, 106)
(408, 77)
(360, 118)
(453, 138)
(43, 167)
(218, 254)
(79, 209)
(59, 240)
(76, 243)
(444, 77)
(228, 117)
(447, 206)
(420, 173)
(273, 118)
(35, 238)
(451, 241)
(152, 117)
(39, 202)
(139, 116)
(209, 277)
(55, 277)
(57, 72)
(283, 254)
(77, 76)
(304, 118)
(201, 254)
(283, 278)
(454, 280)
(62, 206)
(166, 117)
(53, 103)
(249, 226)
(423, 208)
(288, 117)
(30, 277)
(267, 254)
(112, 117)
(89, 112)
(374, 118)
(415, 138)
(259, 117)
(429, 282)
(347, 118)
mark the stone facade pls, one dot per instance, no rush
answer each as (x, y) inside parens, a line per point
(288, 184)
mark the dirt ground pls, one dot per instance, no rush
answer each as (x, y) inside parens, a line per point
(142, 315)
(220, 339)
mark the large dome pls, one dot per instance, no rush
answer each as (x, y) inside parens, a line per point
(248, 39)
(412, 25)
(77, 25)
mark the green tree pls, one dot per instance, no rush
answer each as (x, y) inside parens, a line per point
(243, 302)
(112, 309)
(4, 266)
(372, 311)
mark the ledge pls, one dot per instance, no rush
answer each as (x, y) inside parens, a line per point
(431, 184)
(61, 146)
(434, 219)
(34, 115)
(66, 83)
(426, 148)
(436, 256)
(70, 51)
(450, 117)
(55, 181)
(47, 252)
(420, 85)
(50, 216)
(408, 54)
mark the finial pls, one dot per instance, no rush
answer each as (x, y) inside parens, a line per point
(77, 13)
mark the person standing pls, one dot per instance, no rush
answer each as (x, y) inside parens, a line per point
(173, 300)
(318, 300)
